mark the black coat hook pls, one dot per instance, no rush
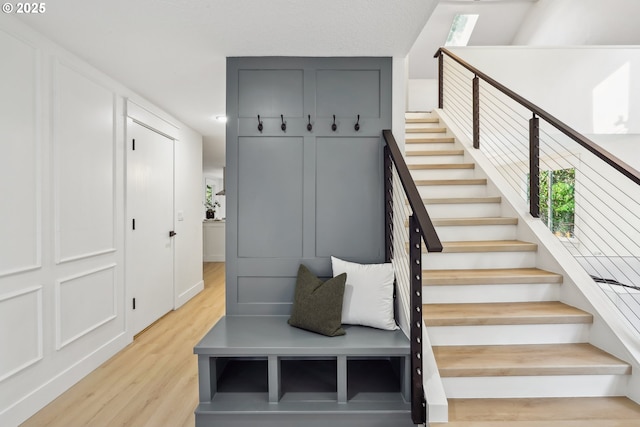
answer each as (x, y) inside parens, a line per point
(357, 126)
(283, 126)
(309, 125)
(260, 127)
(334, 126)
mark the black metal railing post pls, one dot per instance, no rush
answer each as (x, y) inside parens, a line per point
(418, 402)
(476, 112)
(388, 205)
(534, 166)
(615, 162)
(441, 81)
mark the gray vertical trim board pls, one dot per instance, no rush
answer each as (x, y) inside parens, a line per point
(286, 202)
(275, 390)
(342, 379)
(207, 378)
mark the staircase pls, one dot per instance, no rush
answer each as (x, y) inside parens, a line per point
(508, 352)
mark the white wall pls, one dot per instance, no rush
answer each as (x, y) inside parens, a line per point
(593, 89)
(62, 180)
(423, 95)
(399, 77)
(581, 22)
(188, 206)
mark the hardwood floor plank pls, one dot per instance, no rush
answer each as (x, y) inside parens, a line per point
(151, 382)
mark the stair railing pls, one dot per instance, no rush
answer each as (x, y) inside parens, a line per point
(588, 197)
(407, 225)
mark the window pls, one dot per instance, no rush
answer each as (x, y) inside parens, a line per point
(557, 200)
(461, 30)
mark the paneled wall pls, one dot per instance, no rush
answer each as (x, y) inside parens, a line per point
(63, 307)
(298, 195)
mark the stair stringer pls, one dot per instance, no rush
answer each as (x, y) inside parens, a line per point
(609, 331)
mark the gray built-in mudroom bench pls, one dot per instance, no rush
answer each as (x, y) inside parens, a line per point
(260, 371)
(304, 183)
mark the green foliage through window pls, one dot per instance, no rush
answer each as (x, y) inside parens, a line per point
(557, 200)
(208, 197)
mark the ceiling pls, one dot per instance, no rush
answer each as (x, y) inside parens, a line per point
(498, 24)
(172, 52)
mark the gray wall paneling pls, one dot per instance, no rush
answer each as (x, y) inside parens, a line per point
(298, 196)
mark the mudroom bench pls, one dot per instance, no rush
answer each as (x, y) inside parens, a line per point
(259, 370)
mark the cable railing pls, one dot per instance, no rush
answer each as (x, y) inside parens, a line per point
(589, 198)
(403, 205)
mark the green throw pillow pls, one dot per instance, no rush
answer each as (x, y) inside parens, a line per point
(317, 305)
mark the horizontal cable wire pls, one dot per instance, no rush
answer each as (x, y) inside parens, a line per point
(504, 137)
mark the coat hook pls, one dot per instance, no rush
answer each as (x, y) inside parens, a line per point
(283, 126)
(357, 126)
(260, 127)
(309, 125)
(334, 126)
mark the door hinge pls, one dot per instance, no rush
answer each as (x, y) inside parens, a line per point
(133, 144)
(133, 223)
(134, 303)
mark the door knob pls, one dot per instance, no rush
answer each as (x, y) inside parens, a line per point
(172, 233)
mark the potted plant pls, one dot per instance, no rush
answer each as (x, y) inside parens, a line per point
(211, 208)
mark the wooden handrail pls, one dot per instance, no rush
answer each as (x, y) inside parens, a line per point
(585, 142)
(427, 230)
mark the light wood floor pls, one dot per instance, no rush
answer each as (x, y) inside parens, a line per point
(154, 380)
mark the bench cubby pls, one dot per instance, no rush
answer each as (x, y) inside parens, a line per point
(249, 365)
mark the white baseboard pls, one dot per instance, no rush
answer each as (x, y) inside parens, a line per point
(26, 407)
(189, 293)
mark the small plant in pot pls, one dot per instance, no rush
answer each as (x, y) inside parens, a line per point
(211, 208)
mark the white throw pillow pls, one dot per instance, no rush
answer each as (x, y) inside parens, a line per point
(368, 294)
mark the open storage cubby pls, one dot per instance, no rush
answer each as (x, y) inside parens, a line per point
(374, 379)
(305, 379)
(238, 375)
(258, 370)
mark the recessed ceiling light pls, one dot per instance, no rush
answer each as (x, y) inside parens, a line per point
(222, 119)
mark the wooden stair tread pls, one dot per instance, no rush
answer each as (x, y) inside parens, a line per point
(422, 120)
(497, 276)
(435, 153)
(527, 360)
(520, 313)
(489, 246)
(428, 166)
(470, 181)
(426, 130)
(474, 221)
(543, 412)
(461, 200)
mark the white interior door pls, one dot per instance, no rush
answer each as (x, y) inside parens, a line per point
(150, 212)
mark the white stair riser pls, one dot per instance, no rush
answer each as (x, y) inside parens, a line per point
(431, 160)
(430, 146)
(476, 232)
(460, 210)
(446, 261)
(490, 293)
(509, 334)
(422, 125)
(442, 173)
(428, 134)
(417, 115)
(426, 146)
(536, 386)
(452, 190)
